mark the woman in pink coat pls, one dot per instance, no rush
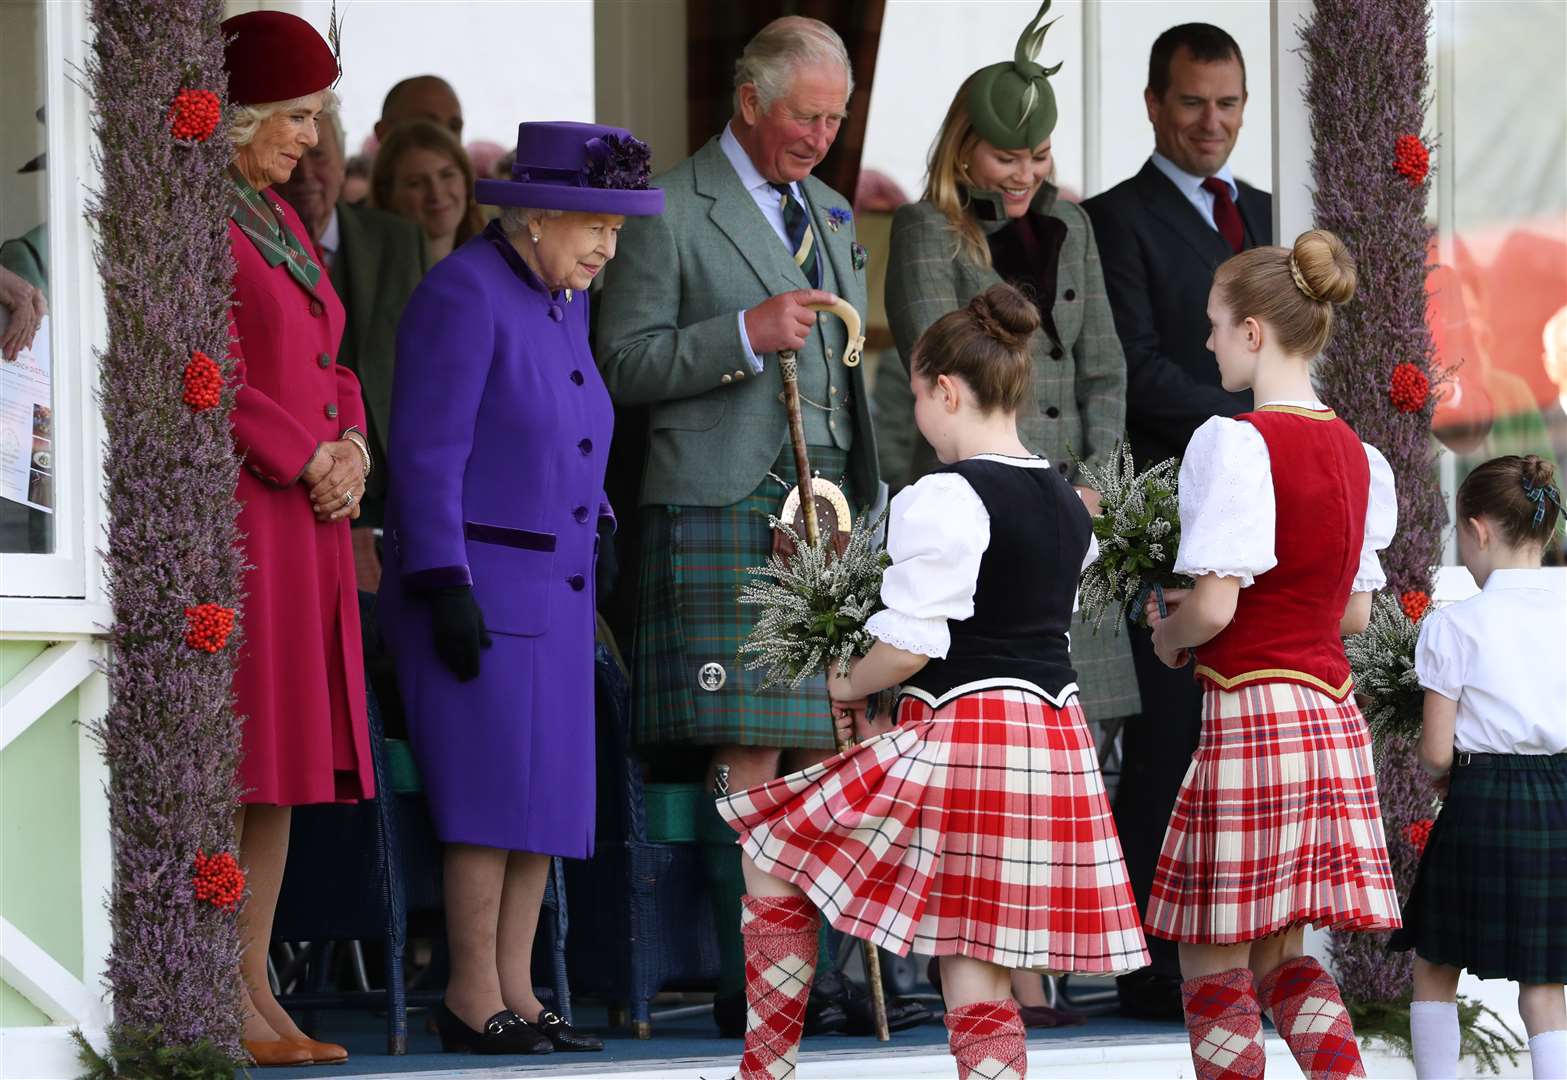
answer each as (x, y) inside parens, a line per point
(298, 421)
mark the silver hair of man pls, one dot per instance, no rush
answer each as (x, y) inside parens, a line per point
(246, 120)
(514, 219)
(780, 49)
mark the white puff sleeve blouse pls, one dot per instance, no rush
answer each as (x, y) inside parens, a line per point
(1228, 512)
(937, 533)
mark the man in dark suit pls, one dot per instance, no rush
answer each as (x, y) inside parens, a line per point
(1162, 234)
(374, 260)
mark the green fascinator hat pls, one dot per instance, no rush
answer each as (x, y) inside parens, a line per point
(1011, 104)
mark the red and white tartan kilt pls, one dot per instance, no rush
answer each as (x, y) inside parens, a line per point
(979, 829)
(1277, 823)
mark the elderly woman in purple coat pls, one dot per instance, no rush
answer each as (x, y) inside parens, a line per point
(499, 435)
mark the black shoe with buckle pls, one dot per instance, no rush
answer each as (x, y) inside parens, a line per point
(859, 1013)
(504, 1033)
(563, 1036)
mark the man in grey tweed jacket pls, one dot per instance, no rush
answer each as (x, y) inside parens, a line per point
(695, 308)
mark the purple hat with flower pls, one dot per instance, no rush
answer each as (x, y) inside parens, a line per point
(566, 166)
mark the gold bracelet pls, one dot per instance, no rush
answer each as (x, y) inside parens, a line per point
(361, 446)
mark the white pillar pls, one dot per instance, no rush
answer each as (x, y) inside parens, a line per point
(1292, 187)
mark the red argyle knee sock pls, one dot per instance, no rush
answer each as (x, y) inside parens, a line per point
(988, 1041)
(1304, 1003)
(1224, 1023)
(780, 957)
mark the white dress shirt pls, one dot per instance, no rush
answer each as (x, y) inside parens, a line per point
(1191, 186)
(1228, 511)
(1499, 655)
(331, 238)
(767, 200)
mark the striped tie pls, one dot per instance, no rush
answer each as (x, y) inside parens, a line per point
(802, 239)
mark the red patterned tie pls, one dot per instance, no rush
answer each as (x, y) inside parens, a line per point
(1226, 216)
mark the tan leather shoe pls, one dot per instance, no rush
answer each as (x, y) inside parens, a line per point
(278, 1052)
(323, 1053)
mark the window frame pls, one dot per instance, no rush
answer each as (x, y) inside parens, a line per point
(31, 584)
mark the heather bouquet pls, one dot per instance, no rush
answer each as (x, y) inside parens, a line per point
(815, 605)
(1138, 530)
(1382, 659)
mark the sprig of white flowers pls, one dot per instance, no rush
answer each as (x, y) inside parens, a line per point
(1382, 660)
(815, 605)
(1138, 529)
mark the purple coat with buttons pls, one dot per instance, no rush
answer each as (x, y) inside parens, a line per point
(499, 435)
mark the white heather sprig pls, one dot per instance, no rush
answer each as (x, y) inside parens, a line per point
(1382, 660)
(1138, 529)
(814, 606)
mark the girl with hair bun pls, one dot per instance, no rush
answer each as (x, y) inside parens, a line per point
(1490, 896)
(977, 829)
(1276, 827)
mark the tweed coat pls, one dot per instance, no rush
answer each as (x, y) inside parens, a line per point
(380, 259)
(1079, 405)
(668, 334)
(300, 678)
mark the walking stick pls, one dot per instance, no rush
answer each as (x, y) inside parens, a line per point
(789, 369)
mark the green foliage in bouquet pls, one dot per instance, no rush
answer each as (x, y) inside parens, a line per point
(1138, 529)
(814, 606)
(1382, 659)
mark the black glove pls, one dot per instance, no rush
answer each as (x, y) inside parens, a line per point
(458, 625)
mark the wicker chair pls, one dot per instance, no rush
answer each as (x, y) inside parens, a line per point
(642, 919)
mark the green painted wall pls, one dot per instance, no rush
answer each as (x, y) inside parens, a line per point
(40, 835)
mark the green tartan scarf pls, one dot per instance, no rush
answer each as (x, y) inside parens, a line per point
(264, 225)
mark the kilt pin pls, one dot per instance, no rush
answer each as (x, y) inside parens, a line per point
(980, 828)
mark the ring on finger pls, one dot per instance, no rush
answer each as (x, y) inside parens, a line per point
(348, 500)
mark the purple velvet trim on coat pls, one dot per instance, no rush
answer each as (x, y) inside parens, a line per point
(501, 534)
(437, 577)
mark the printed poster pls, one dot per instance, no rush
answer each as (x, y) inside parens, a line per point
(27, 458)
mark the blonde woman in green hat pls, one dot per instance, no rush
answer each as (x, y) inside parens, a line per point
(991, 213)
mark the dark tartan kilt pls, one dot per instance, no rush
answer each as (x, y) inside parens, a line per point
(694, 562)
(1491, 892)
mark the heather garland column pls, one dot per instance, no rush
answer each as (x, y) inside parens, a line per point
(170, 736)
(1367, 88)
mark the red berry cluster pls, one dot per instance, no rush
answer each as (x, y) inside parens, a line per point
(203, 382)
(219, 880)
(207, 626)
(1414, 602)
(1417, 833)
(1409, 388)
(194, 115)
(1411, 158)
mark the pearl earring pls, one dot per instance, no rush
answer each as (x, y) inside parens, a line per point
(535, 238)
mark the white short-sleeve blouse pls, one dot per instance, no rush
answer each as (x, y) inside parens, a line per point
(1499, 655)
(1228, 510)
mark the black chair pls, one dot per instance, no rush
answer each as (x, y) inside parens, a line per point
(642, 918)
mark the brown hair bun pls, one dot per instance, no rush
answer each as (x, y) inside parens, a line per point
(988, 344)
(1326, 269)
(1517, 493)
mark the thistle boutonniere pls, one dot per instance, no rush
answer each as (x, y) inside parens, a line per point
(837, 217)
(858, 256)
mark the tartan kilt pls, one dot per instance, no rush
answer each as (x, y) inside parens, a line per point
(1277, 823)
(1491, 892)
(694, 563)
(979, 829)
